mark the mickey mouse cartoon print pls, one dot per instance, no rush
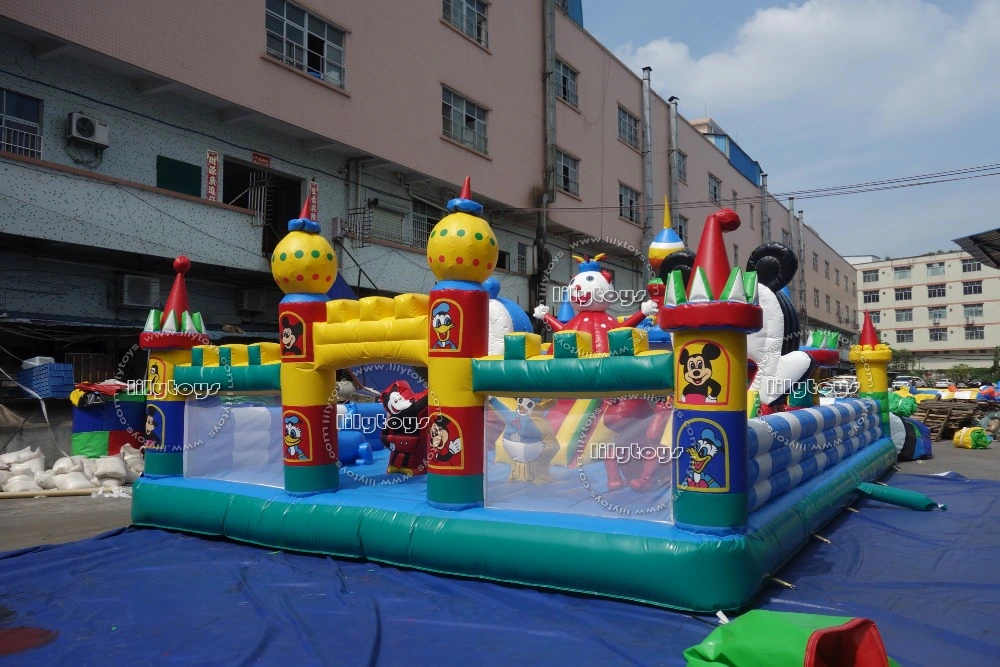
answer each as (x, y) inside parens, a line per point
(291, 336)
(700, 385)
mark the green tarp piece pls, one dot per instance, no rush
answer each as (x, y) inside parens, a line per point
(92, 444)
(902, 406)
(780, 639)
(901, 497)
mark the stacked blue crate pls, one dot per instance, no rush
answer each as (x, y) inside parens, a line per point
(48, 381)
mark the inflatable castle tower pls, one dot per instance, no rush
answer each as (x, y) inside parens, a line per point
(169, 335)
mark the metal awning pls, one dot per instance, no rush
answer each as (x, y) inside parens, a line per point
(984, 246)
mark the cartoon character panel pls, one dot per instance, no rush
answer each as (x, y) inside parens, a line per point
(620, 463)
(704, 377)
(446, 326)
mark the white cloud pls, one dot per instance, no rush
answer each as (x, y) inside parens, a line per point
(888, 66)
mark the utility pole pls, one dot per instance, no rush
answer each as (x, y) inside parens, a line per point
(765, 222)
(647, 168)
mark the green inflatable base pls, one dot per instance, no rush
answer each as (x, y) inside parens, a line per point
(631, 559)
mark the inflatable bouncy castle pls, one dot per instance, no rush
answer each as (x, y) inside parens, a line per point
(659, 489)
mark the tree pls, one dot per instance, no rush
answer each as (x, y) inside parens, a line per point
(995, 370)
(960, 372)
(902, 361)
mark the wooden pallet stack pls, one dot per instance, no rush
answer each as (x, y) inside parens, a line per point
(943, 418)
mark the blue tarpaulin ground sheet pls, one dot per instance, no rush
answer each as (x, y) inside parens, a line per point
(929, 580)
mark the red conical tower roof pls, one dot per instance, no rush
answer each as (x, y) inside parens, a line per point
(712, 257)
(868, 335)
(177, 302)
(466, 192)
(305, 208)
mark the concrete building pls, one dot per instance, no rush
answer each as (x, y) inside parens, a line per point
(133, 136)
(944, 307)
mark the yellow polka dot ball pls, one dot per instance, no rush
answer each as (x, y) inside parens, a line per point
(304, 263)
(462, 247)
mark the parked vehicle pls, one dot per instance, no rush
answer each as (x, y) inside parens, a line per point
(943, 383)
(904, 381)
(841, 386)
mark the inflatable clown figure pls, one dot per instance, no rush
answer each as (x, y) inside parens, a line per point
(591, 295)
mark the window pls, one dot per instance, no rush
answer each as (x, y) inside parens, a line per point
(836, 273)
(567, 173)
(876, 317)
(904, 315)
(682, 228)
(816, 298)
(21, 124)
(935, 291)
(902, 272)
(973, 310)
(828, 303)
(869, 276)
(854, 287)
(935, 269)
(904, 293)
(682, 166)
(815, 262)
(503, 260)
(972, 287)
(566, 82)
(424, 217)
(904, 336)
(939, 335)
(736, 255)
(628, 128)
(305, 42)
(826, 269)
(464, 121)
(735, 197)
(522, 257)
(971, 265)
(937, 313)
(786, 238)
(975, 333)
(838, 309)
(469, 16)
(846, 286)
(714, 188)
(178, 176)
(628, 203)
(869, 296)
(751, 216)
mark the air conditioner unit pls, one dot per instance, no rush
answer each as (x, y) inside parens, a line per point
(87, 129)
(339, 229)
(969, 320)
(935, 322)
(139, 292)
(253, 300)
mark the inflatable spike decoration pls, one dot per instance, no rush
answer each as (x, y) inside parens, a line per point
(175, 327)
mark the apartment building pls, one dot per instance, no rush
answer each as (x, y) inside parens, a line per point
(133, 136)
(944, 307)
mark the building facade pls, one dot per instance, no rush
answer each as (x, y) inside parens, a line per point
(943, 307)
(130, 137)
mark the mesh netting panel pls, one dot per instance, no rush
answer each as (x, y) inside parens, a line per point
(236, 439)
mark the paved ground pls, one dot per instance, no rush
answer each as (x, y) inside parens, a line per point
(25, 523)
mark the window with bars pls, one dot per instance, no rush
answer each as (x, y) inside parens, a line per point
(869, 296)
(816, 298)
(972, 310)
(424, 217)
(463, 120)
(975, 333)
(566, 82)
(904, 315)
(816, 262)
(904, 293)
(935, 269)
(936, 291)
(972, 287)
(869, 276)
(522, 257)
(971, 265)
(838, 309)
(682, 227)
(305, 42)
(682, 166)
(826, 270)
(628, 203)
(939, 335)
(567, 173)
(837, 278)
(828, 303)
(628, 128)
(21, 124)
(904, 336)
(714, 188)
(469, 16)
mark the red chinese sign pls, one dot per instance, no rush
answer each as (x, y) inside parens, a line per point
(261, 159)
(313, 200)
(212, 176)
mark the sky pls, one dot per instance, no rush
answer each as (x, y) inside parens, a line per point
(835, 92)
